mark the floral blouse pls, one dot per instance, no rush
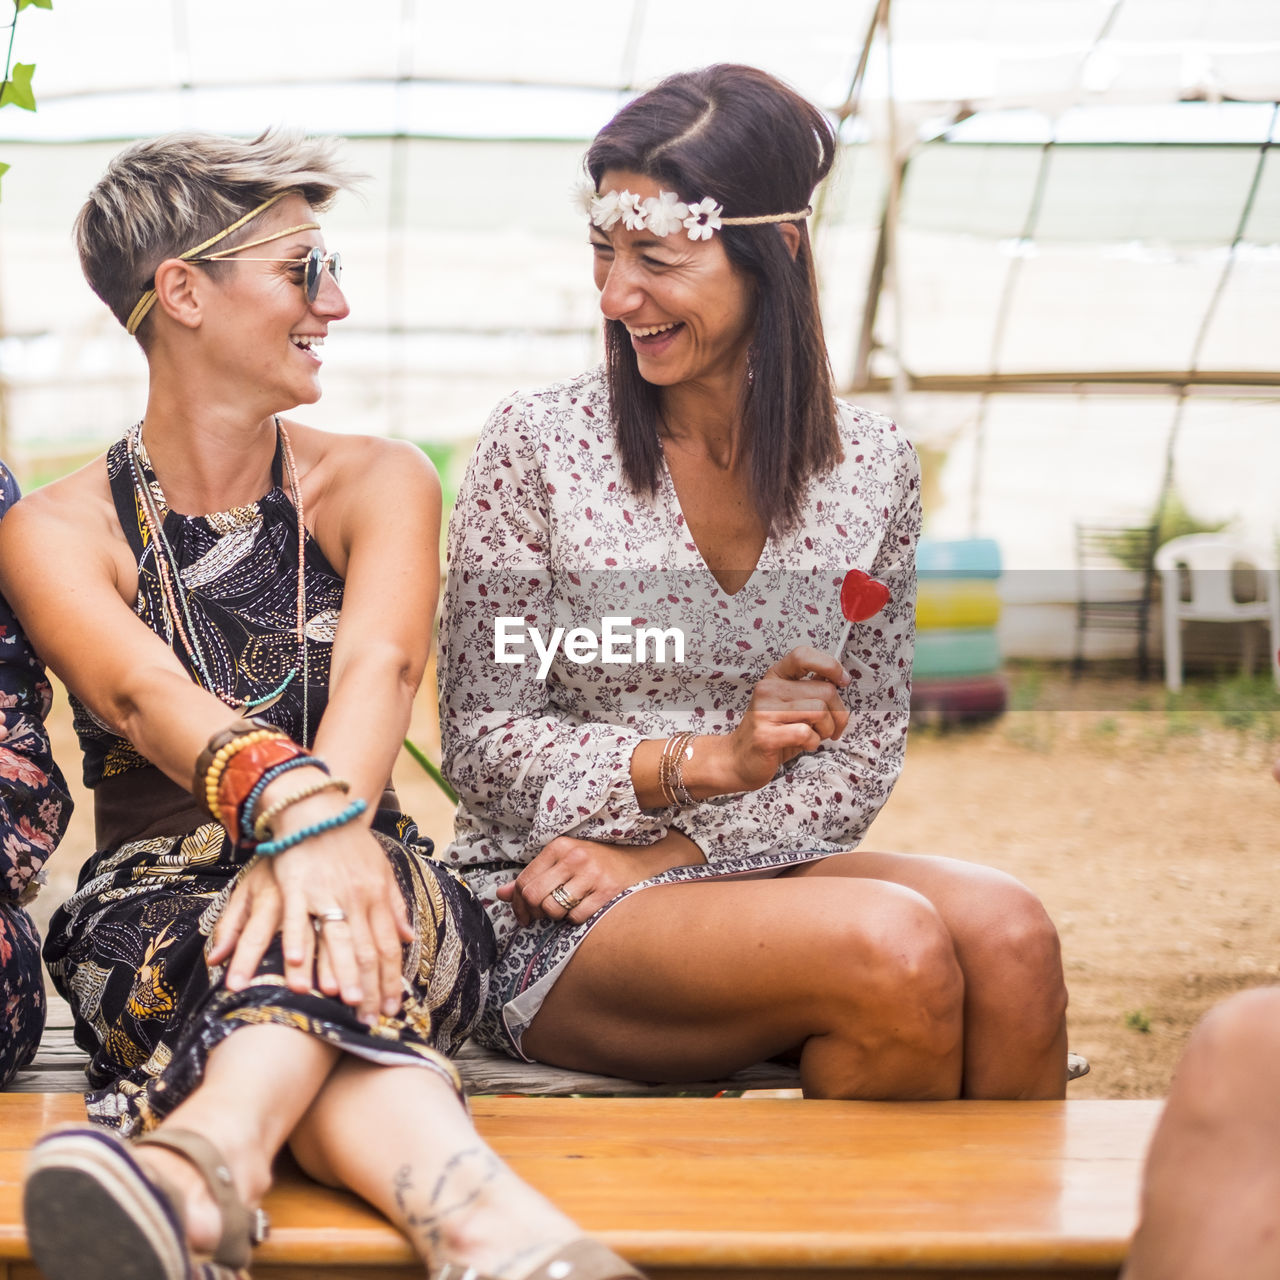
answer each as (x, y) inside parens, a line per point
(34, 810)
(547, 533)
(34, 803)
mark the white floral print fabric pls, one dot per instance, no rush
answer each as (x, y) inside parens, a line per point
(546, 533)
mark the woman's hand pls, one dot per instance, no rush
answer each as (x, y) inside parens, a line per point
(356, 957)
(794, 707)
(588, 874)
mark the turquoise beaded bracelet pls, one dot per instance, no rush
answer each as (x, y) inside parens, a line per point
(349, 814)
(268, 777)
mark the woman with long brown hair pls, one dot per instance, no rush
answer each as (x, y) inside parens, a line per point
(666, 745)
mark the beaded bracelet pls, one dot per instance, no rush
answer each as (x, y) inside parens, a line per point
(207, 790)
(262, 822)
(250, 801)
(664, 770)
(236, 729)
(349, 814)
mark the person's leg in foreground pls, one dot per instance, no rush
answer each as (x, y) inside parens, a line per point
(1211, 1194)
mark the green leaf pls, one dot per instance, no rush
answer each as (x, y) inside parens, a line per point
(18, 90)
(4, 168)
(432, 771)
(39, 4)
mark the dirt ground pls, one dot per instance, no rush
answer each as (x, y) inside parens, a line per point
(1151, 838)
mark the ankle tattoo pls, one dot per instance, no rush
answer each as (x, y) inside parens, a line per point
(460, 1183)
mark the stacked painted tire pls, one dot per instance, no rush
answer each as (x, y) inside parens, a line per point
(957, 676)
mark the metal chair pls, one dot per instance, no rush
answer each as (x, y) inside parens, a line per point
(1208, 565)
(1115, 585)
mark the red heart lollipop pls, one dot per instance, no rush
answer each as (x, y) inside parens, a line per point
(861, 596)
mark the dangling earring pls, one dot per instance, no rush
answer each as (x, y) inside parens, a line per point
(751, 364)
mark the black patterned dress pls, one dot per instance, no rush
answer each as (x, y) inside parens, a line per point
(127, 949)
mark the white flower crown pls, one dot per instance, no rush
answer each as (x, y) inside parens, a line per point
(666, 212)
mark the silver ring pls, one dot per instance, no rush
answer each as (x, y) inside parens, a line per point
(332, 915)
(561, 894)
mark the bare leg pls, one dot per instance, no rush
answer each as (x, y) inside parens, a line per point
(683, 982)
(1015, 1028)
(398, 1136)
(258, 1084)
(1209, 1203)
(419, 1160)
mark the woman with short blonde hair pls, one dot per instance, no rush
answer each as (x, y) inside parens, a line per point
(262, 950)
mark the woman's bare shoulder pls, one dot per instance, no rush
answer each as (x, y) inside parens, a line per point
(334, 465)
(69, 530)
(313, 447)
(80, 500)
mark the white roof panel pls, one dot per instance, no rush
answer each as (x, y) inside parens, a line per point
(466, 264)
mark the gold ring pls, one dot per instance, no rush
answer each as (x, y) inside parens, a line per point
(561, 894)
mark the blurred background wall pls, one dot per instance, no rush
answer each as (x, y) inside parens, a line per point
(1050, 248)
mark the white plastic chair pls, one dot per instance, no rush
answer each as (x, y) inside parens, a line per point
(1211, 563)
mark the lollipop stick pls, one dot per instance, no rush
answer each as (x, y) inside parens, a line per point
(847, 659)
(844, 640)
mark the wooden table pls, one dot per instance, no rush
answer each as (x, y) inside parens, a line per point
(713, 1188)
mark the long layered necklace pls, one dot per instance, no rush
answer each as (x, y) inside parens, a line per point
(176, 599)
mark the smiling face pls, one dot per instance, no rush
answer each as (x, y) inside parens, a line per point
(688, 311)
(262, 326)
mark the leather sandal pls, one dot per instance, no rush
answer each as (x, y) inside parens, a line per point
(92, 1212)
(581, 1259)
(242, 1227)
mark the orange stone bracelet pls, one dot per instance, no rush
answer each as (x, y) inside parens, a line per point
(241, 772)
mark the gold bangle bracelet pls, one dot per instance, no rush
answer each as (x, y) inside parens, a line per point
(684, 797)
(664, 772)
(671, 770)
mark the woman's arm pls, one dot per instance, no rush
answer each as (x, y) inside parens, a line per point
(515, 758)
(379, 525)
(377, 519)
(62, 570)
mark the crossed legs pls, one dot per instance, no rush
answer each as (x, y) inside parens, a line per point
(427, 1169)
(397, 1136)
(890, 976)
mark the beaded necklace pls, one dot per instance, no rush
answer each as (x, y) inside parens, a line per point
(175, 597)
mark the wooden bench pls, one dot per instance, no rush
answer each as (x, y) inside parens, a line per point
(694, 1188)
(708, 1189)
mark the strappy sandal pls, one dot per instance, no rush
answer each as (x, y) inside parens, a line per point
(93, 1213)
(581, 1259)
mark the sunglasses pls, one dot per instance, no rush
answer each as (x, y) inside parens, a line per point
(314, 266)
